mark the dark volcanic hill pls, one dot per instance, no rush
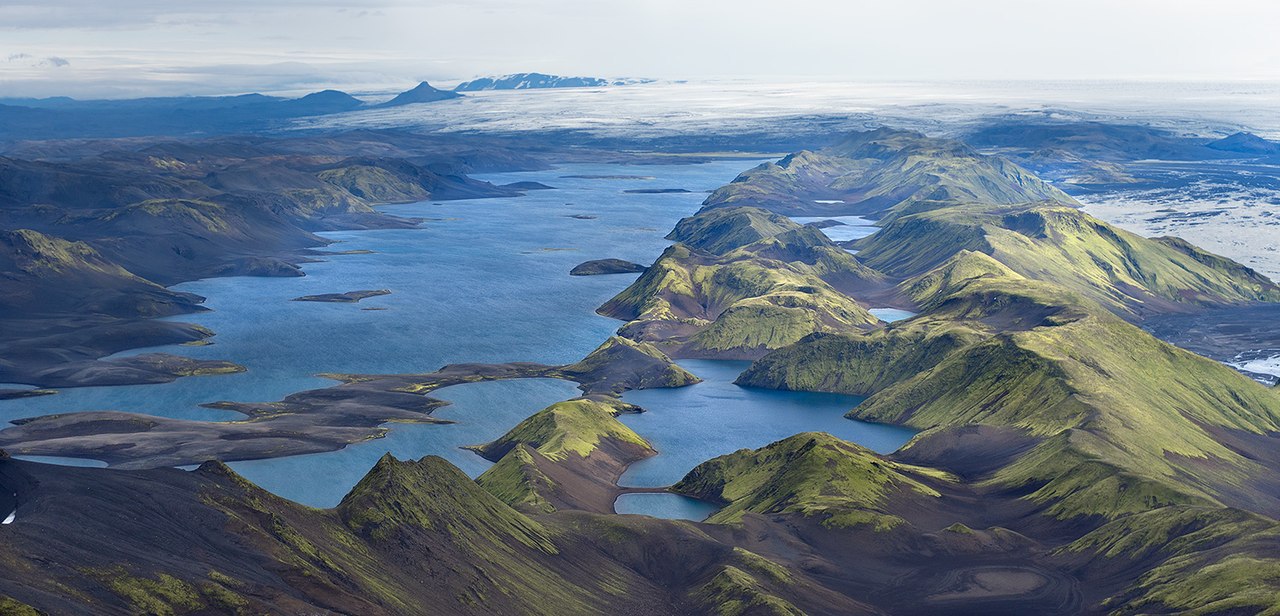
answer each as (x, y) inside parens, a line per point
(421, 93)
(1246, 143)
(49, 276)
(65, 118)
(411, 538)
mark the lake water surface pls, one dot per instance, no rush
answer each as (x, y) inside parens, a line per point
(664, 505)
(690, 425)
(482, 281)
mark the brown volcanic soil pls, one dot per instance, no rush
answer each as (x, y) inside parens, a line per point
(107, 539)
(1220, 333)
(49, 351)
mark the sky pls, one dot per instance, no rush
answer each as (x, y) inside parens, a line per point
(124, 48)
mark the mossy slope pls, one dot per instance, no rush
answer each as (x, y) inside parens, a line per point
(566, 456)
(1196, 560)
(811, 474)
(620, 364)
(726, 229)
(1125, 429)
(882, 172)
(1128, 274)
(573, 427)
(750, 298)
(1122, 414)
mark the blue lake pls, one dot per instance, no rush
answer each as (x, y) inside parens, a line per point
(481, 281)
(851, 227)
(664, 505)
(890, 315)
(692, 424)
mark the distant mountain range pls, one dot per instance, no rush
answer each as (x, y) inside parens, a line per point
(62, 117)
(532, 81)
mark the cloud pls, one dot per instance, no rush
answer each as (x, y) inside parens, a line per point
(26, 60)
(133, 14)
(170, 46)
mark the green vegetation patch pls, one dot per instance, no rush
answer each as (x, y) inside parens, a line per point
(571, 427)
(734, 592)
(1238, 583)
(516, 480)
(1062, 245)
(811, 474)
(12, 607)
(433, 495)
(163, 595)
(762, 295)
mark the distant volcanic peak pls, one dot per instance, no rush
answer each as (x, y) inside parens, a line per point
(1246, 143)
(331, 97)
(422, 93)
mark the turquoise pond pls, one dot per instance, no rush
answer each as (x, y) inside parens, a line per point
(482, 280)
(664, 505)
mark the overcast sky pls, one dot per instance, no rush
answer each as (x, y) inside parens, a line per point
(134, 47)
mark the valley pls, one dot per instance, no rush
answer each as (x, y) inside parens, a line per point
(894, 373)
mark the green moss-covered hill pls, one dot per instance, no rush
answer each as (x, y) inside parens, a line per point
(573, 427)
(1125, 419)
(1126, 273)
(620, 364)
(566, 456)
(1137, 466)
(1051, 424)
(882, 172)
(756, 292)
(811, 474)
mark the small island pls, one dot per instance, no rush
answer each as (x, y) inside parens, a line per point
(14, 394)
(350, 297)
(528, 186)
(606, 266)
(612, 176)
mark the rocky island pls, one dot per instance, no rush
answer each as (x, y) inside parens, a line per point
(350, 297)
(606, 266)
